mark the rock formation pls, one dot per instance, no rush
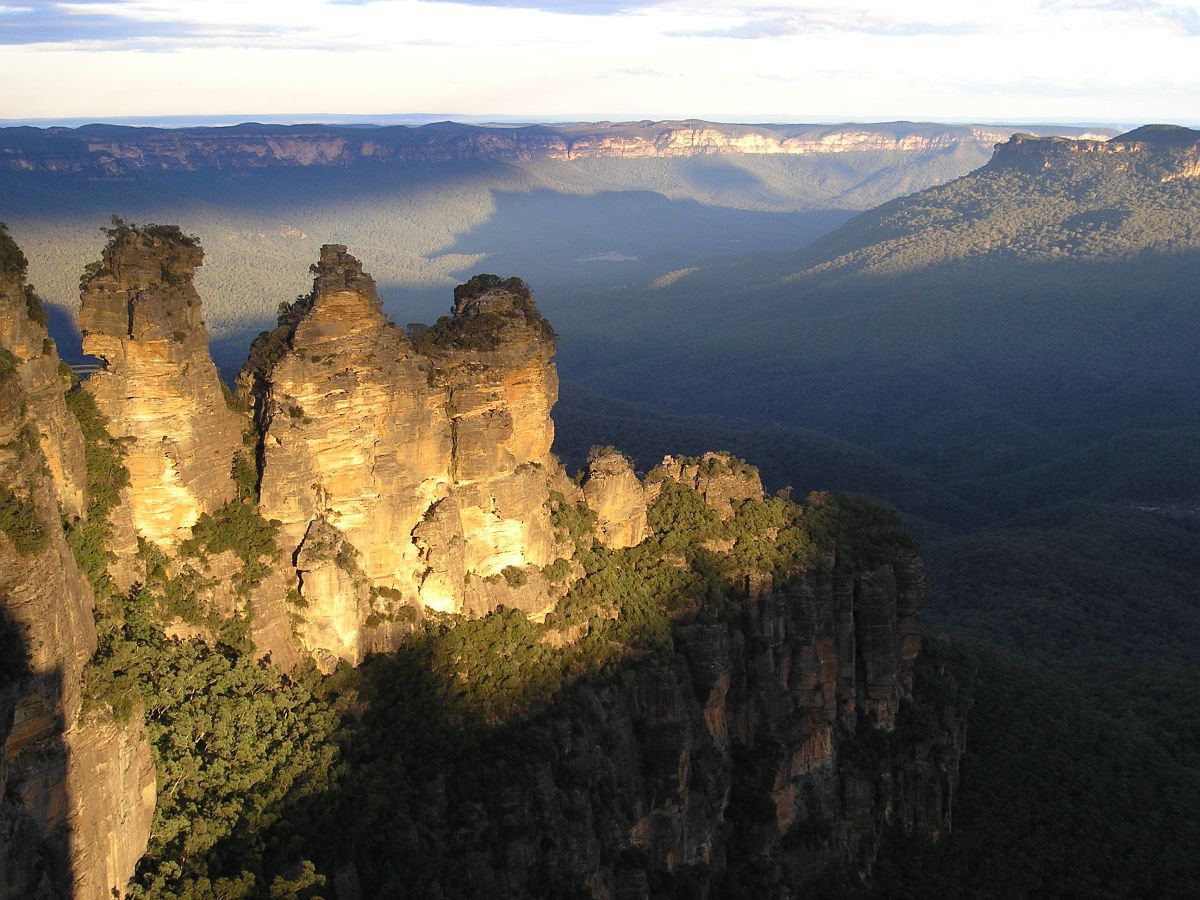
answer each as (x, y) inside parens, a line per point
(159, 388)
(767, 745)
(23, 334)
(614, 493)
(1160, 153)
(408, 473)
(356, 449)
(494, 360)
(78, 790)
(400, 472)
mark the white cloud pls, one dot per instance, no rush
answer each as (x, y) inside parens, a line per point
(1098, 59)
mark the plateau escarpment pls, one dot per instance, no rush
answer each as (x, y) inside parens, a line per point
(609, 685)
(1160, 152)
(106, 150)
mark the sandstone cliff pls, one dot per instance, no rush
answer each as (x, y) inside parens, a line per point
(401, 473)
(614, 493)
(107, 150)
(494, 360)
(78, 791)
(1159, 152)
(735, 691)
(23, 333)
(159, 388)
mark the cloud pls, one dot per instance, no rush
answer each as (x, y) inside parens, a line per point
(100, 25)
(1183, 18)
(769, 23)
(565, 7)
(169, 25)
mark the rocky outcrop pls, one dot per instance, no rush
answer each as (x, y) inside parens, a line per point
(159, 388)
(78, 790)
(1158, 152)
(112, 788)
(47, 610)
(399, 471)
(355, 448)
(23, 333)
(721, 479)
(493, 358)
(614, 493)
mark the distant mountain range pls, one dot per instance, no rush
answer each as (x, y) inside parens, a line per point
(117, 149)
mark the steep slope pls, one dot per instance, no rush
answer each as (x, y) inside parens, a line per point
(78, 789)
(737, 715)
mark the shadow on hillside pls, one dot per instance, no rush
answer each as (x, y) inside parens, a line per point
(34, 854)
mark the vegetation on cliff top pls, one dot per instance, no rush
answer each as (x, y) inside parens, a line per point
(477, 325)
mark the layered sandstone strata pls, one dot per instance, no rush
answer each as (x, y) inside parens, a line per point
(614, 493)
(400, 472)
(159, 388)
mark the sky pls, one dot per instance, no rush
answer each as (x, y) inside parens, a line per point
(1066, 61)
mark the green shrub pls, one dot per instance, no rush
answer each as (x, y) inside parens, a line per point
(33, 307)
(106, 478)
(12, 260)
(8, 363)
(21, 524)
(573, 521)
(239, 527)
(557, 571)
(515, 576)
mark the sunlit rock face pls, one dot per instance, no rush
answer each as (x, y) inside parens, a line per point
(356, 449)
(76, 793)
(615, 494)
(159, 389)
(493, 358)
(23, 333)
(401, 470)
(68, 151)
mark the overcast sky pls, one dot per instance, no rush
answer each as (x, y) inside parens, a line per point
(1098, 61)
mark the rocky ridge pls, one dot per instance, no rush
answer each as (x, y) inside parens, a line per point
(404, 477)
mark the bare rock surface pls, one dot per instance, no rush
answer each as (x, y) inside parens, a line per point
(78, 791)
(159, 388)
(615, 494)
(400, 467)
